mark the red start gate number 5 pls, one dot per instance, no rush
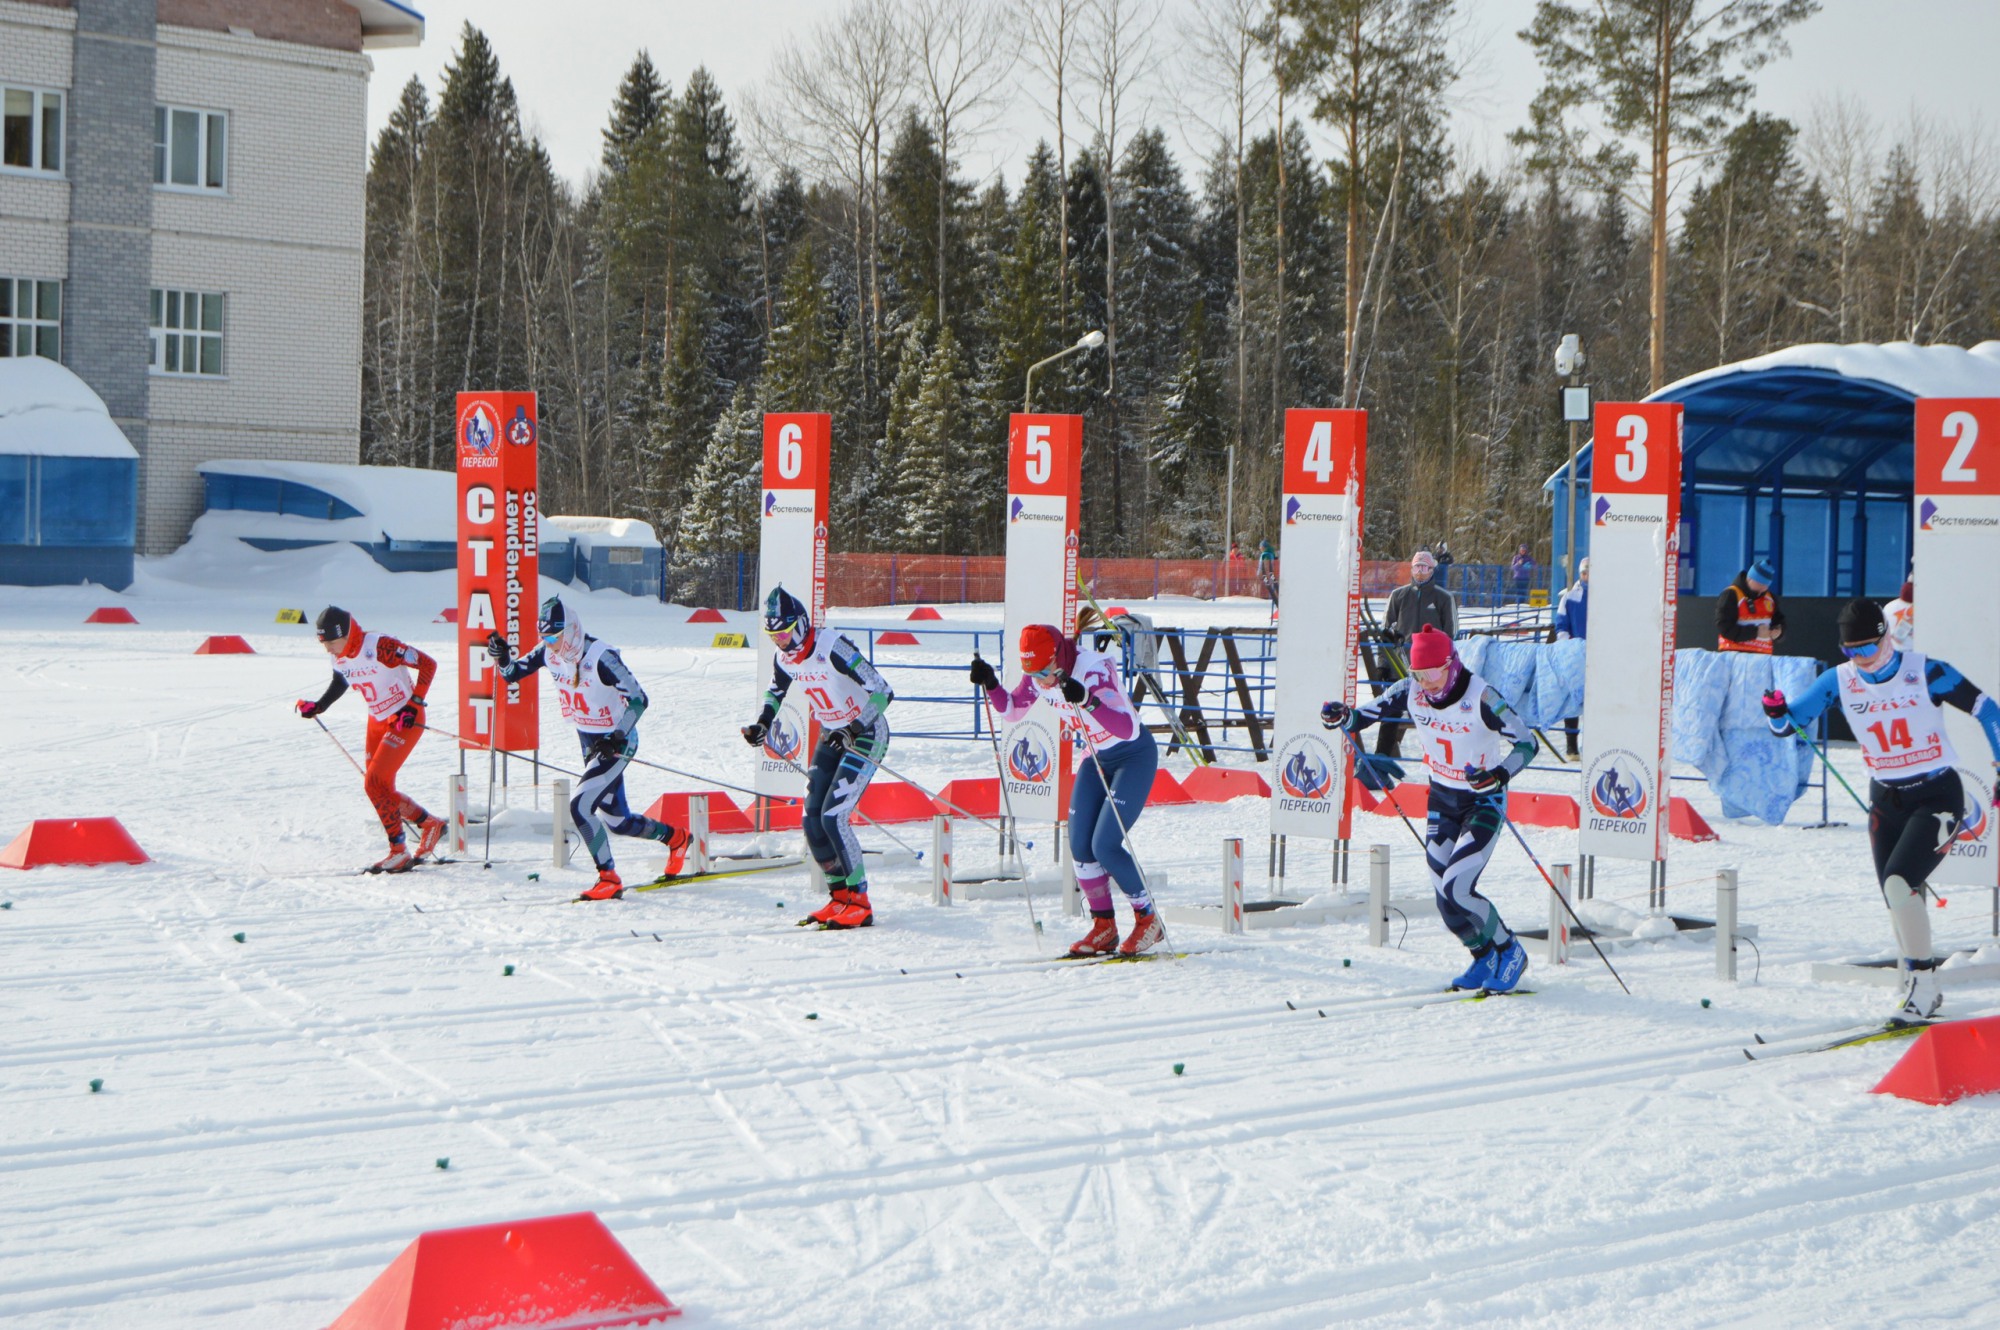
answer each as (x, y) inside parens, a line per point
(1041, 459)
(1630, 464)
(1963, 431)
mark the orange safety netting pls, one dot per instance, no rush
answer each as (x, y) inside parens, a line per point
(951, 579)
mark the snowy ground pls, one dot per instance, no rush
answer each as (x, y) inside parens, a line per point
(913, 1126)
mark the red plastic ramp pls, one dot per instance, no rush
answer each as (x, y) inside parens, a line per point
(724, 817)
(895, 637)
(1218, 785)
(111, 614)
(225, 644)
(979, 796)
(1684, 823)
(1166, 790)
(894, 801)
(1949, 1061)
(925, 612)
(73, 841)
(562, 1270)
(778, 814)
(706, 615)
(1541, 810)
(447, 615)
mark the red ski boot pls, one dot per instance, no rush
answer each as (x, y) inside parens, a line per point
(678, 842)
(1101, 940)
(1147, 932)
(609, 887)
(398, 860)
(429, 833)
(855, 914)
(823, 916)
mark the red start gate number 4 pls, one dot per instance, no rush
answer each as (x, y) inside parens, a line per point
(1318, 457)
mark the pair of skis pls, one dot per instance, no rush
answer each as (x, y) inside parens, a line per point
(1867, 1034)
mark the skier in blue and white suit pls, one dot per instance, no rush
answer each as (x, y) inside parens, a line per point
(1916, 801)
(1474, 743)
(848, 698)
(602, 698)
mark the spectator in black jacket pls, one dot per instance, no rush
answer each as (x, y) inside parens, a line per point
(1421, 604)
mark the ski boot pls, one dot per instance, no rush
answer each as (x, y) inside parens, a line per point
(855, 914)
(609, 887)
(398, 860)
(678, 842)
(1480, 973)
(1147, 932)
(1509, 964)
(1922, 998)
(823, 916)
(429, 832)
(1101, 940)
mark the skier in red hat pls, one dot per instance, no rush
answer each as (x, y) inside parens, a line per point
(1112, 783)
(1474, 743)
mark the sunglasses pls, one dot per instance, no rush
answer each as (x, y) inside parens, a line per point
(1048, 671)
(1856, 650)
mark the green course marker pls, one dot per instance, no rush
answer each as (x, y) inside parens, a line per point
(237, 936)
(1180, 1068)
(1704, 1002)
(812, 1015)
(506, 971)
(1345, 962)
(96, 1086)
(444, 1161)
(534, 877)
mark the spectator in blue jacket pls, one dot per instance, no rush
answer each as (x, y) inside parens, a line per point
(1573, 609)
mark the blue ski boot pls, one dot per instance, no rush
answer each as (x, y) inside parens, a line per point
(1509, 964)
(1480, 973)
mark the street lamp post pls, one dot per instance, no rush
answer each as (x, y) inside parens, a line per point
(1576, 409)
(1090, 341)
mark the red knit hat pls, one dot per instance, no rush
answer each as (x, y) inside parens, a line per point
(1041, 646)
(1429, 649)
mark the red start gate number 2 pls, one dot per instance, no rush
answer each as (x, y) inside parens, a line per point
(1958, 445)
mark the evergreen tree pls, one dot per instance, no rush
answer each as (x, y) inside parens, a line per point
(720, 516)
(1188, 445)
(641, 97)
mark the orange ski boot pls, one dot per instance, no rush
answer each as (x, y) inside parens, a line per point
(678, 842)
(609, 887)
(1147, 932)
(1101, 940)
(855, 914)
(823, 916)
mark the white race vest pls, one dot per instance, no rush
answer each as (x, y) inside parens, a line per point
(833, 698)
(385, 688)
(587, 701)
(1899, 727)
(1098, 672)
(1456, 736)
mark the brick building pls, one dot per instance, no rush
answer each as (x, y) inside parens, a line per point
(181, 217)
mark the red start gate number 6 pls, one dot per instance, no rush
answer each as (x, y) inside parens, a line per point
(791, 452)
(1630, 464)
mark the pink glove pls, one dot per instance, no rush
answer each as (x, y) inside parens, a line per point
(308, 709)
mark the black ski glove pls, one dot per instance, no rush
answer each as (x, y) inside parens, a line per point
(754, 732)
(1339, 716)
(1487, 780)
(606, 749)
(411, 717)
(496, 647)
(848, 736)
(1073, 691)
(982, 674)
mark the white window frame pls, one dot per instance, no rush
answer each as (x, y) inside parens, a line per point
(172, 342)
(34, 323)
(38, 138)
(206, 123)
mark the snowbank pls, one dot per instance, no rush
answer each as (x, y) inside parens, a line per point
(400, 503)
(47, 411)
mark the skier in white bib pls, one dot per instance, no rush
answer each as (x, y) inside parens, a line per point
(602, 698)
(1916, 801)
(848, 698)
(1474, 743)
(378, 667)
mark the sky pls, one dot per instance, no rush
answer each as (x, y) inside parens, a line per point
(565, 59)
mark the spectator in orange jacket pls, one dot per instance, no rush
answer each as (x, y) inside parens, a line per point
(1747, 615)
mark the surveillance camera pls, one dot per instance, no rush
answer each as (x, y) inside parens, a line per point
(1569, 355)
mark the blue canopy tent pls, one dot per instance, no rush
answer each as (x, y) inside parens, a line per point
(69, 481)
(1804, 455)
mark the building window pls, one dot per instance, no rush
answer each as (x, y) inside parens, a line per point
(30, 318)
(187, 332)
(31, 129)
(190, 148)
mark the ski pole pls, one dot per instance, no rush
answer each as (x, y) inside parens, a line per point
(864, 818)
(633, 761)
(1831, 770)
(343, 749)
(1588, 936)
(1007, 802)
(1359, 758)
(888, 770)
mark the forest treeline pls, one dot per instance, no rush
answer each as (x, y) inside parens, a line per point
(817, 246)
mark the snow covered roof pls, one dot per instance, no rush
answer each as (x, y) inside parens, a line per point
(604, 532)
(47, 411)
(388, 23)
(398, 502)
(1817, 418)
